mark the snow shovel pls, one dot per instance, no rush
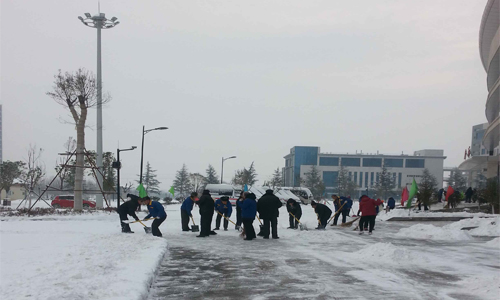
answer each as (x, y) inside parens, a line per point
(194, 227)
(349, 224)
(335, 214)
(146, 228)
(127, 222)
(228, 220)
(261, 227)
(301, 226)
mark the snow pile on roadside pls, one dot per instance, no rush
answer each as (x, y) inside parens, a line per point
(403, 213)
(383, 253)
(77, 259)
(431, 232)
(486, 226)
(494, 243)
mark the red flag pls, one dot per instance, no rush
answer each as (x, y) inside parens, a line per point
(404, 196)
(465, 154)
(449, 191)
(468, 153)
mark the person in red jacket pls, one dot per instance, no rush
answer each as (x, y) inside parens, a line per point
(368, 212)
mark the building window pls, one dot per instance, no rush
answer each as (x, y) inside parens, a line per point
(360, 179)
(378, 177)
(371, 179)
(351, 161)
(372, 162)
(415, 163)
(355, 177)
(328, 161)
(366, 179)
(400, 175)
(393, 162)
(330, 178)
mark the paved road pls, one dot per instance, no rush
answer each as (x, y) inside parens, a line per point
(308, 265)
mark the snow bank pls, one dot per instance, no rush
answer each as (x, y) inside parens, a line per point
(494, 243)
(431, 232)
(482, 286)
(403, 213)
(486, 226)
(385, 253)
(84, 258)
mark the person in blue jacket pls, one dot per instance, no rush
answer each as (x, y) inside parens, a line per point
(156, 211)
(186, 208)
(391, 204)
(248, 212)
(223, 206)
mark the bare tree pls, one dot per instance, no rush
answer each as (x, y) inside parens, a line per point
(34, 171)
(77, 92)
(198, 181)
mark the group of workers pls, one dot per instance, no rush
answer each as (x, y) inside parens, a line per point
(247, 207)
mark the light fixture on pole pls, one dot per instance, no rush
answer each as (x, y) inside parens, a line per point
(142, 147)
(118, 165)
(99, 22)
(222, 169)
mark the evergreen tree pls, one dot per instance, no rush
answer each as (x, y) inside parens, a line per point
(343, 181)
(182, 184)
(457, 180)
(314, 182)
(427, 187)
(108, 171)
(385, 183)
(245, 176)
(149, 181)
(211, 176)
(10, 171)
(277, 180)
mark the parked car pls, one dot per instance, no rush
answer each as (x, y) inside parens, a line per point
(69, 201)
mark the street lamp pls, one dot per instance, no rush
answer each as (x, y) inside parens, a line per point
(99, 22)
(222, 169)
(118, 165)
(142, 148)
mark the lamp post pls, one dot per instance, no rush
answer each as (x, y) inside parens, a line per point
(222, 169)
(99, 22)
(142, 147)
(118, 165)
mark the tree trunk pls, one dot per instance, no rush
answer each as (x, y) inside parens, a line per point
(80, 161)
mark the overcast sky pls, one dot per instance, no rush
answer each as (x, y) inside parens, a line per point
(248, 78)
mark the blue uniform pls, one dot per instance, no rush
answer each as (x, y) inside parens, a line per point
(346, 202)
(187, 206)
(391, 203)
(156, 210)
(223, 208)
(248, 208)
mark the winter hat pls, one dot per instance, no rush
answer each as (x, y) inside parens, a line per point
(252, 196)
(206, 192)
(269, 192)
(224, 198)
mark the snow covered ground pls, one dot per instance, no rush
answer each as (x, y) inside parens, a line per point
(86, 257)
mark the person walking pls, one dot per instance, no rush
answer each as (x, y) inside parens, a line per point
(157, 211)
(223, 206)
(391, 204)
(128, 208)
(323, 213)
(248, 213)
(186, 208)
(293, 207)
(268, 208)
(468, 195)
(207, 205)
(367, 207)
(238, 210)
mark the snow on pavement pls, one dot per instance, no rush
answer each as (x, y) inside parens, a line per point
(76, 257)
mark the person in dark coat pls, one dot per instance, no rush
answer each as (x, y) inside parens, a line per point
(468, 195)
(223, 206)
(186, 208)
(346, 204)
(206, 204)
(238, 210)
(157, 211)
(368, 209)
(294, 208)
(440, 195)
(268, 208)
(391, 204)
(323, 213)
(248, 213)
(128, 208)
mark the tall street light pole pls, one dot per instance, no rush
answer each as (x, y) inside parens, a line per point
(142, 147)
(222, 169)
(118, 165)
(99, 22)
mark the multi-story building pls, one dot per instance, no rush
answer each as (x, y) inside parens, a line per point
(489, 51)
(1, 157)
(363, 169)
(476, 145)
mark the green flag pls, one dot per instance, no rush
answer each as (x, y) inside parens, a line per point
(172, 191)
(413, 192)
(142, 191)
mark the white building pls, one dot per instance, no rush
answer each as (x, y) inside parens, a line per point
(364, 169)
